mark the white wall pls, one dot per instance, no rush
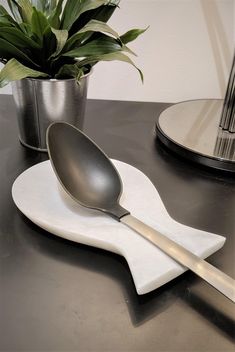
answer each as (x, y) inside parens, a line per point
(185, 54)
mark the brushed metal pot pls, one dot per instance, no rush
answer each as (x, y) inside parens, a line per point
(39, 102)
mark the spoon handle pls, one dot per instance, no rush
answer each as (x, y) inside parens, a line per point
(216, 278)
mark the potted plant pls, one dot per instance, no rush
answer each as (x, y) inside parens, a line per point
(48, 48)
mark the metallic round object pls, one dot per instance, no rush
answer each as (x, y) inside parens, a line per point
(191, 129)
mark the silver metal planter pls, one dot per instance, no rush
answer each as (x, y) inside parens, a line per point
(40, 102)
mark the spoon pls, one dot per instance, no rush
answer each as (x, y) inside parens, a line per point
(91, 179)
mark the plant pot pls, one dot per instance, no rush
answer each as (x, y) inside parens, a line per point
(39, 102)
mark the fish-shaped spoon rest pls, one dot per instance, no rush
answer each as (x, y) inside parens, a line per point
(39, 196)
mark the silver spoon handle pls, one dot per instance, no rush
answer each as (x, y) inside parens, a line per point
(215, 277)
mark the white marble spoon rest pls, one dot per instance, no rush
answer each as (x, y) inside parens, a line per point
(38, 195)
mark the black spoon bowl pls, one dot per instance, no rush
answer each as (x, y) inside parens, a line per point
(90, 178)
(79, 165)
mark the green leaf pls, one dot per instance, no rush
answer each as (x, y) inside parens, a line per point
(14, 71)
(5, 18)
(49, 6)
(109, 57)
(9, 51)
(132, 35)
(14, 10)
(91, 27)
(74, 8)
(98, 26)
(61, 38)
(26, 29)
(54, 18)
(101, 46)
(16, 37)
(39, 23)
(45, 6)
(49, 44)
(67, 71)
(102, 13)
(25, 10)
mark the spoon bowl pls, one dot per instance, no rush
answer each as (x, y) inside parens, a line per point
(79, 165)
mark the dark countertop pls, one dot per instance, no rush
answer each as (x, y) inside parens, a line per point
(60, 296)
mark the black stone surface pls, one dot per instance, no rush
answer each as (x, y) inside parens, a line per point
(59, 296)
